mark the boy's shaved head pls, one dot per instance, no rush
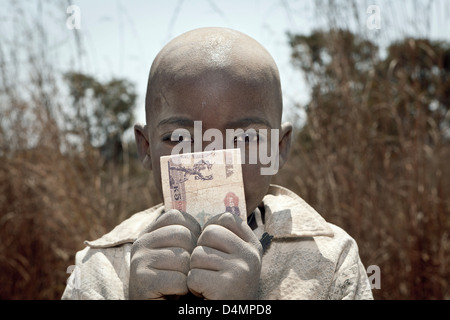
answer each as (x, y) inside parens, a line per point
(224, 53)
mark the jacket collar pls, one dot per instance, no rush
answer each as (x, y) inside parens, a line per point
(286, 216)
(129, 230)
(289, 216)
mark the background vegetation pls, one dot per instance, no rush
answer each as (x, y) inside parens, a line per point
(371, 157)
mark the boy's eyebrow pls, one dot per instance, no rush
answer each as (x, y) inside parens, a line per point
(246, 122)
(243, 122)
(178, 121)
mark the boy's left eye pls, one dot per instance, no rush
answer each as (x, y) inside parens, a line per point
(180, 138)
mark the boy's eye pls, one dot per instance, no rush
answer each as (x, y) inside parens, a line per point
(247, 138)
(177, 136)
(180, 138)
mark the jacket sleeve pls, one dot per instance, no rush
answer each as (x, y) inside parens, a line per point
(99, 274)
(350, 281)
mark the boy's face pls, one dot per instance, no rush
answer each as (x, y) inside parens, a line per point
(219, 102)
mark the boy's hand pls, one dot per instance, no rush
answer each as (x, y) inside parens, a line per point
(226, 264)
(160, 257)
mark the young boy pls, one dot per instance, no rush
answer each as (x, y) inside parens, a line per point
(226, 80)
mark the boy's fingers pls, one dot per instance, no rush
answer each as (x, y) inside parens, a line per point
(236, 225)
(170, 259)
(175, 217)
(159, 284)
(220, 238)
(208, 258)
(159, 272)
(166, 237)
(199, 283)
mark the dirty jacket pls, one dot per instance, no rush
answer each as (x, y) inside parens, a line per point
(307, 257)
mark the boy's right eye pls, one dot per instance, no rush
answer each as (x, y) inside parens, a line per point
(179, 135)
(180, 138)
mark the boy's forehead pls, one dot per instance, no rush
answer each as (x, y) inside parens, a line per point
(216, 96)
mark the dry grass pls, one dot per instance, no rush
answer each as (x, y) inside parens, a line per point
(373, 159)
(50, 203)
(55, 190)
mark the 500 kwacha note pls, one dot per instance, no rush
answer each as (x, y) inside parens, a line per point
(204, 184)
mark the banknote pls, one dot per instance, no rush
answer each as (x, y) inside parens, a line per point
(204, 184)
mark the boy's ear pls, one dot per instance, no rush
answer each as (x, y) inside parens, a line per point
(285, 143)
(143, 145)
